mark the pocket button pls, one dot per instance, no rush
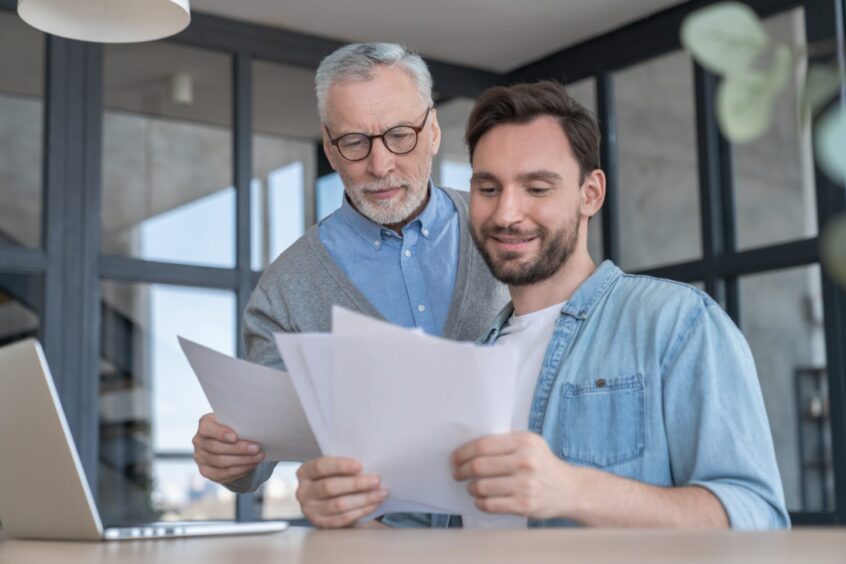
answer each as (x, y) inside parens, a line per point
(600, 382)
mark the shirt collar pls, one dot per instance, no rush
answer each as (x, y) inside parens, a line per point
(372, 232)
(428, 220)
(579, 305)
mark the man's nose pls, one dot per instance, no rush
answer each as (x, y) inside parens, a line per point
(381, 161)
(509, 208)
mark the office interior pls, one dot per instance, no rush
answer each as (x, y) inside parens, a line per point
(145, 187)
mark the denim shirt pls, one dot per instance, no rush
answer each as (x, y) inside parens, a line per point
(649, 379)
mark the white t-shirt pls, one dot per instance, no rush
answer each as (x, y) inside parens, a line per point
(531, 334)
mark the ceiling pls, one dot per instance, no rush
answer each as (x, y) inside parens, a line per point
(496, 35)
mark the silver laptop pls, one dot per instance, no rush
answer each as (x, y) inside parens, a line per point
(43, 490)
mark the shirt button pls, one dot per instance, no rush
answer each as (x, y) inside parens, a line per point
(421, 308)
(377, 243)
(600, 382)
(407, 253)
(425, 232)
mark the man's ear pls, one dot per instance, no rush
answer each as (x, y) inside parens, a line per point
(593, 193)
(436, 131)
(327, 150)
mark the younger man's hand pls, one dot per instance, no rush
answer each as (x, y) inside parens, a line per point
(334, 493)
(515, 473)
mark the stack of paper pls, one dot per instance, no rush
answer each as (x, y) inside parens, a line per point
(396, 399)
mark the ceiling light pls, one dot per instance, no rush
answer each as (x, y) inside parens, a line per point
(107, 21)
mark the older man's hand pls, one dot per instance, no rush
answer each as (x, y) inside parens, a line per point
(220, 455)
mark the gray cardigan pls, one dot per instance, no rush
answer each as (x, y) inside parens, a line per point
(297, 291)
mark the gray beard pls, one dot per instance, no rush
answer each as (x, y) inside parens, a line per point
(388, 213)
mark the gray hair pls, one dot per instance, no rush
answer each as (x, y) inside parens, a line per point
(358, 62)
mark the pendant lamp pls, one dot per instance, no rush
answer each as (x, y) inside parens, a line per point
(107, 21)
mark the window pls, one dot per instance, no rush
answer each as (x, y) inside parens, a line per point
(167, 155)
(788, 343)
(330, 194)
(285, 130)
(150, 401)
(658, 189)
(21, 132)
(451, 166)
(778, 168)
(278, 494)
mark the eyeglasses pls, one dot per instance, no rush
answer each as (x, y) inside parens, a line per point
(400, 140)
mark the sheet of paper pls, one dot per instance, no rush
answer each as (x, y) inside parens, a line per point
(402, 403)
(309, 361)
(260, 403)
(346, 323)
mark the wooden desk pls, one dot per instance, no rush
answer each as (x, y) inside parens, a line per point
(307, 546)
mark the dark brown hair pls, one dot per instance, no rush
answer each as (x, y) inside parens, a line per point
(522, 103)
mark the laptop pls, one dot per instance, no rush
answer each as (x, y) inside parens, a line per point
(43, 490)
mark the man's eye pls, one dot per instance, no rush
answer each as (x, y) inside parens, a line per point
(352, 143)
(538, 190)
(486, 190)
(398, 136)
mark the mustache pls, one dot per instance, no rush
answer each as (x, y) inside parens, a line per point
(497, 231)
(383, 184)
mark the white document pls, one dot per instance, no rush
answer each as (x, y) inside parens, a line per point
(402, 402)
(346, 323)
(308, 357)
(260, 403)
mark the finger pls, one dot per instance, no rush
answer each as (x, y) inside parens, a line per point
(486, 467)
(222, 476)
(503, 504)
(225, 461)
(344, 519)
(486, 446)
(347, 503)
(327, 466)
(213, 446)
(339, 486)
(492, 487)
(209, 427)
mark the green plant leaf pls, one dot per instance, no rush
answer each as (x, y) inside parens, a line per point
(745, 101)
(725, 38)
(833, 249)
(830, 144)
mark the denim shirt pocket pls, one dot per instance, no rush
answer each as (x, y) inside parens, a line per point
(601, 422)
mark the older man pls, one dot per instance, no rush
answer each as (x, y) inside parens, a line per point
(637, 401)
(397, 249)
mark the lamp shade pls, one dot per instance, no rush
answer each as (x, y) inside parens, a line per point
(107, 21)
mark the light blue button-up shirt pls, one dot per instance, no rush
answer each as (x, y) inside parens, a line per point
(409, 278)
(649, 379)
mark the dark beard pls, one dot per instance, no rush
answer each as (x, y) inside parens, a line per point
(554, 252)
